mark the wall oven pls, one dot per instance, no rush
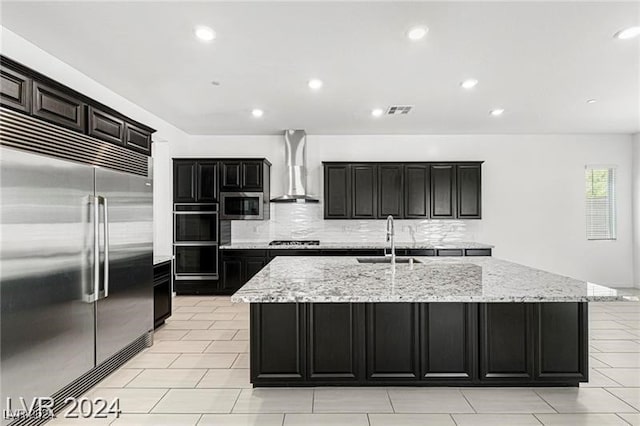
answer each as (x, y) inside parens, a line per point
(195, 241)
(242, 205)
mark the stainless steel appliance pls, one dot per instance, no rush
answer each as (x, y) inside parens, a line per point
(195, 241)
(76, 277)
(295, 158)
(242, 205)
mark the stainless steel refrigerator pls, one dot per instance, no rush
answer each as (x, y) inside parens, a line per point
(76, 271)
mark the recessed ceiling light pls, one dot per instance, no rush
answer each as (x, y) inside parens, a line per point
(204, 33)
(628, 33)
(591, 101)
(469, 83)
(315, 84)
(377, 112)
(497, 112)
(257, 112)
(417, 33)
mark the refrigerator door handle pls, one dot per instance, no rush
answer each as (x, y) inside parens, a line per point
(105, 224)
(96, 249)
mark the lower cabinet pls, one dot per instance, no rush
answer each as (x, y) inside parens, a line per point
(419, 344)
(162, 294)
(239, 266)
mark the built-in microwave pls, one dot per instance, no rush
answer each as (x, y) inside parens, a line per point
(241, 205)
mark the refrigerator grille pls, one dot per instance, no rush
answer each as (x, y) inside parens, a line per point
(27, 133)
(90, 379)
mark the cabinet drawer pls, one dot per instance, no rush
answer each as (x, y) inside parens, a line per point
(449, 252)
(15, 90)
(105, 126)
(58, 107)
(477, 252)
(137, 138)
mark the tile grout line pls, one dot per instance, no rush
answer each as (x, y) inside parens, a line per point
(537, 418)
(545, 401)
(620, 399)
(235, 401)
(393, 409)
(468, 402)
(605, 375)
(622, 418)
(453, 419)
(158, 402)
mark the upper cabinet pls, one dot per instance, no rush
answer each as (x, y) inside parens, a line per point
(15, 90)
(195, 181)
(242, 175)
(27, 91)
(403, 190)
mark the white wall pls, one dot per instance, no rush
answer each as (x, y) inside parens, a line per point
(533, 188)
(30, 55)
(636, 208)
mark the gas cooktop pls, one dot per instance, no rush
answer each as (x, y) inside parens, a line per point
(294, 243)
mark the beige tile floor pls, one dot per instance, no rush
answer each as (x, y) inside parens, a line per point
(197, 373)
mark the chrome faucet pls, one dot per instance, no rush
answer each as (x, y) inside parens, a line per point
(390, 234)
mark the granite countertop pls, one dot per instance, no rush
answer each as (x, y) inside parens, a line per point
(303, 279)
(161, 258)
(360, 245)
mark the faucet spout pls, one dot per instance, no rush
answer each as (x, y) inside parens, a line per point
(390, 238)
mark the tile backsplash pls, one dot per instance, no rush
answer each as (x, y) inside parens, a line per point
(293, 221)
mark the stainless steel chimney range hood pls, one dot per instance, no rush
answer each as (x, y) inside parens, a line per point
(295, 155)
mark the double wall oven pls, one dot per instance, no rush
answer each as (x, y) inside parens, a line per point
(195, 241)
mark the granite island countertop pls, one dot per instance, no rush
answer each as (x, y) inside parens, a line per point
(359, 245)
(299, 279)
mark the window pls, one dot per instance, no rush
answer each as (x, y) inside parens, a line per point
(601, 202)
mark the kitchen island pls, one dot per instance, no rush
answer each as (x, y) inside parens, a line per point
(473, 321)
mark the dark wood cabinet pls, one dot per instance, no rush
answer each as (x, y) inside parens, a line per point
(403, 190)
(278, 328)
(443, 191)
(337, 191)
(392, 346)
(252, 176)
(390, 190)
(29, 92)
(58, 107)
(333, 344)
(364, 184)
(469, 191)
(239, 266)
(506, 340)
(137, 138)
(105, 126)
(448, 341)
(241, 175)
(230, 172)
(184, 181)
(416, 191)
(162, 294)
(561, 352)
(195, 181)
(15, 89)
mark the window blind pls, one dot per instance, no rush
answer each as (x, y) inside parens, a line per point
(600, 202)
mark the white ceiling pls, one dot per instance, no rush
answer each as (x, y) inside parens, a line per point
(539, 61)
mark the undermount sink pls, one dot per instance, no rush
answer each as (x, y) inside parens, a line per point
(387, 260)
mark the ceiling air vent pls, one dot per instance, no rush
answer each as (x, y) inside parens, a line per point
(399, 109)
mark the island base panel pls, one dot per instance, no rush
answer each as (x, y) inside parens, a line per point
(419, 344)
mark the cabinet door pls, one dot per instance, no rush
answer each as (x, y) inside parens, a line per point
(137, 139)
(15, 90)
(364, 191)
(58, 107)
(252, 265)
(184, 181)
(230, 176)
(469, 191)
(392, 341)
(232, 273)
(390, 194)
(416, 191)
(252, 176)
(561, 341)
(443, 199)
(207, 185)
(506, 341)
(277, 328)
(337, 191)
(448, 343)
(105, 126)
(333, 346)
